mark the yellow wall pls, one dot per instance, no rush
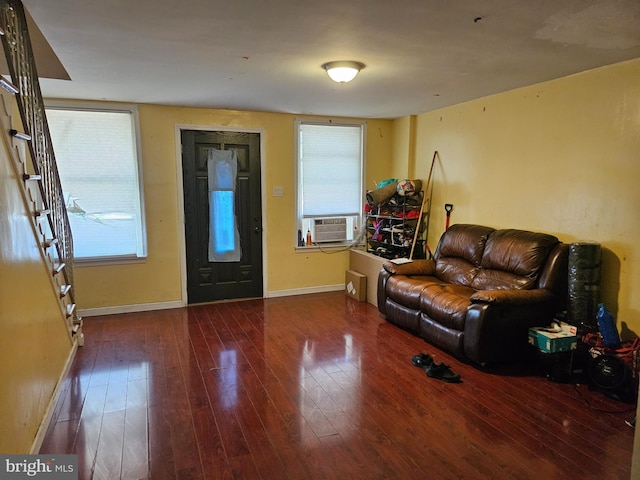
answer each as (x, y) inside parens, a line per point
(158, 279)
(560, 157)
(403, 162)
(34, 343)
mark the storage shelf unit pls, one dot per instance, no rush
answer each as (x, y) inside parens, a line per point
(391, 227)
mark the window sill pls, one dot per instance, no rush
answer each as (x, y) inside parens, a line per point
(106, 261)
(326, 247)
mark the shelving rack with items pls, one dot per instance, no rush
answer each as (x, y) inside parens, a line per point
(395, 212)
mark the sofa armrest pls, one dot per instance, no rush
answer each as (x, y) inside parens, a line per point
(497, 322)
(415, 267)
(513, 297)
(383, 276)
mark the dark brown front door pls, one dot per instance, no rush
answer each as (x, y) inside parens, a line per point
(207, 280)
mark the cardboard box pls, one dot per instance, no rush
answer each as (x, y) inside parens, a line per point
(356, 285)
(370, 265)
(552, 342)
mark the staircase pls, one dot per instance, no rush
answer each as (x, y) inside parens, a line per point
(34, 159)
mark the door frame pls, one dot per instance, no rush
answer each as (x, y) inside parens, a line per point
(182, 241)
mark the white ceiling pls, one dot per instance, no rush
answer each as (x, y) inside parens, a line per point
(266, 55)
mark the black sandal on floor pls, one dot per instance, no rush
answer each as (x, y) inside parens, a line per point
(442, 372)
(422, 360)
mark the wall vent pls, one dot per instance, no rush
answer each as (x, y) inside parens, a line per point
(330, 230)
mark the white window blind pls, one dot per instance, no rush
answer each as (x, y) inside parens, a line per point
(330, 169)
(96, 153)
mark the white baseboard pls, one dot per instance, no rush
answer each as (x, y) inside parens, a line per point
(146, 307)
(139, 307)
(305, 291)
(57, 391)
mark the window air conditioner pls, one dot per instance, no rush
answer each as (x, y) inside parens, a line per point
(330, 230)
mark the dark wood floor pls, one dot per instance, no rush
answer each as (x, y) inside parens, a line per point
(315, 387)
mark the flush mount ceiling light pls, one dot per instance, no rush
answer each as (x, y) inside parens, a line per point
(343, 71)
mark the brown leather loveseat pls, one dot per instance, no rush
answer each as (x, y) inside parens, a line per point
(481, 292)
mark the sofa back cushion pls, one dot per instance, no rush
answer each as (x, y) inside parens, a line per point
(513, 259)
(459, 253)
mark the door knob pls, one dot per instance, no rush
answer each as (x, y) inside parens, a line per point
(257, 229)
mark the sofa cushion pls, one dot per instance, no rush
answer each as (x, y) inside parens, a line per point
(459, 253)
(406, 290)
(513, 259)
(499, 280)
(446, 303)
(457, 271)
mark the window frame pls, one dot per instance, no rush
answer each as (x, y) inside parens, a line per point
(132, 110)
(357, 220)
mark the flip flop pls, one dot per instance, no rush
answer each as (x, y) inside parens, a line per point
(442, 372)
(422, 360)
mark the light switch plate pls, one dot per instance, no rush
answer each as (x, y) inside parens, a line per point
(278, 191)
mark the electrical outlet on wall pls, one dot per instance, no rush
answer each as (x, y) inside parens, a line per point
(278, 191)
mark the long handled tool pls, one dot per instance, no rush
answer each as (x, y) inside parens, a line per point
(425, 199)
(448, 207)
(428, 252)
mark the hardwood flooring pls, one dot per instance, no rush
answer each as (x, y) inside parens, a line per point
(315, 387)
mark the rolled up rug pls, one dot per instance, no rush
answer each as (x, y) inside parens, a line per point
(381, 195)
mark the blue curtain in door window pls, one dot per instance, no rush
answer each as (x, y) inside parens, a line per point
(224, 240)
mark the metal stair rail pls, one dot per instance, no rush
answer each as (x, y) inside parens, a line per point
(25, 84)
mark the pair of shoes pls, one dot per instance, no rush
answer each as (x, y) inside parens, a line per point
(422, 360)
(439, 371)
(442, 372)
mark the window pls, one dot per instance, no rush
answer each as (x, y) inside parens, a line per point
(97, 155)
(330, 172)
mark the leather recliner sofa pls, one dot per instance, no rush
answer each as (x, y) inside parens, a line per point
(480, 293)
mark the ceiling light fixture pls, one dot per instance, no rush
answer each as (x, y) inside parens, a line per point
(343, 71)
